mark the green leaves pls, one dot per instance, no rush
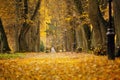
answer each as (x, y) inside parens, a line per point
(11, 56)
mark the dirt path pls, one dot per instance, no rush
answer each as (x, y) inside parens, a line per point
(55, 55)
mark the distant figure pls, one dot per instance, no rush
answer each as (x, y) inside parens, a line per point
(53, 50)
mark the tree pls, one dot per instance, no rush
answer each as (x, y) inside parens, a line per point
(83, 29)
(98, 23)
(29, 36)
(4, 47)
(71, 30)
(116, 9)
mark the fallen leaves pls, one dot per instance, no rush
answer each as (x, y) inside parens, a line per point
(60, 67)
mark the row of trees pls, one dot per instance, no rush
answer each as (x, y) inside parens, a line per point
(25, 28)
(85, 23)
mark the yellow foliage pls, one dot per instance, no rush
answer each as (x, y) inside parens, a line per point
(60, 67)
(68, 19)
(44, 18)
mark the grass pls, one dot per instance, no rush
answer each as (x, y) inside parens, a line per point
(12, 56)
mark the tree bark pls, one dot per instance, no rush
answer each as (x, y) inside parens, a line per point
(27, 30)
(78, 5)
(4, 47)
(98, 23)
(116, 9)
(25, 27)
(84, 33)
(18, 6)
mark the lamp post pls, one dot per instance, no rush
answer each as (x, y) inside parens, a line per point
(110, 35)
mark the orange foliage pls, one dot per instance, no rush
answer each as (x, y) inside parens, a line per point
(60, 67)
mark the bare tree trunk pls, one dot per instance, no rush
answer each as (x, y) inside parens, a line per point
(86, 37)
(98, 23)
(116, 9)
(4, 47)
(71, 44)
(83, 37)
(78, 5)
(83, 34)
(22, 38)
(27, 31)
(17, 26)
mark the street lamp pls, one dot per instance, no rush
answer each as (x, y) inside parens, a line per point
(110, 35)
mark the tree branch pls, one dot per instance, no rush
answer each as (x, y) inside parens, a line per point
(36, 10)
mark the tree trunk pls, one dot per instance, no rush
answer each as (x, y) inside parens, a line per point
(71, 43)
(83, 37)
(78, 5)
(86, 36)
(23, 46)
(29, 34)
(116, 9)
(33, 39)
(17, 26)
(4, 47)
(98, 23)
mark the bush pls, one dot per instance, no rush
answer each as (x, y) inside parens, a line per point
(42, 46)
(99, 51)
(79, 49)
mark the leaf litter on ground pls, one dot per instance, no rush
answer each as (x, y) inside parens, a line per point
(60, 66)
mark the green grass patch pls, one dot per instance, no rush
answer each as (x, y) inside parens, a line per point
(12, 56)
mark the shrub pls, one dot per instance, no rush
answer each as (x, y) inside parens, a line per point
(99, 51)
(42, 46)
(79, 49)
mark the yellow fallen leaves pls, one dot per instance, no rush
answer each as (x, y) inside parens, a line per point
(60, 67)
